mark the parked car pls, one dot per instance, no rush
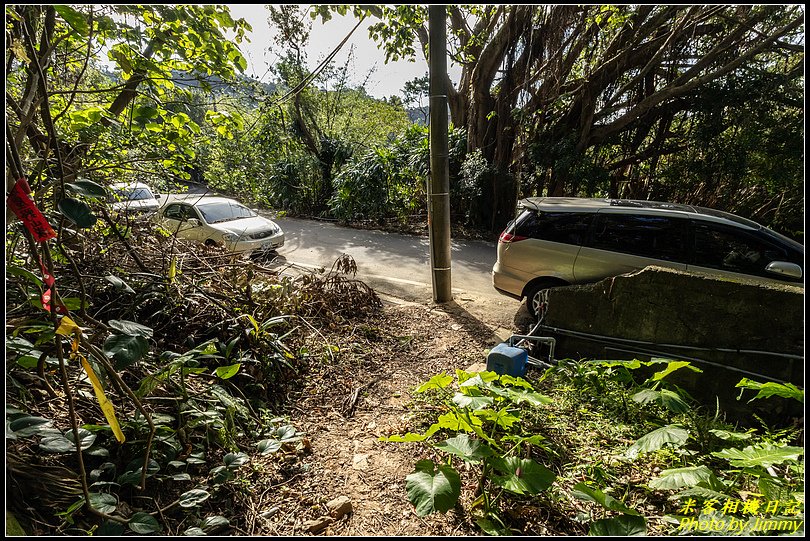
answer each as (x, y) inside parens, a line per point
(220, 221)
(558, 241)
(132, 197)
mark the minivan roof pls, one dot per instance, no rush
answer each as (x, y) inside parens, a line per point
(591, 204)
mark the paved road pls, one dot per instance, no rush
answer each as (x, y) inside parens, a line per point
(397, 265)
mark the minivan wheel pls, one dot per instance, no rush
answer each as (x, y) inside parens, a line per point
(537, 299)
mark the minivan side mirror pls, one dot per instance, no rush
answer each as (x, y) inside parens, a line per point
(783, 268)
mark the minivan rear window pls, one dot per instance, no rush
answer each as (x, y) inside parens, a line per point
(564, 227)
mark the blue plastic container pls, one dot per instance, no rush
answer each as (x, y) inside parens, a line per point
(506, 359)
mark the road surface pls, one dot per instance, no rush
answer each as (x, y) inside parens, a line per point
(398, 265)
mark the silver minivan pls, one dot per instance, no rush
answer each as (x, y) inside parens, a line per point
(557, 241)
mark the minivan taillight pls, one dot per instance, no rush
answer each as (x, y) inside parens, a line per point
(509, 237)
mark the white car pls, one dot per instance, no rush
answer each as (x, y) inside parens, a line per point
(219, 221)
(133, 197)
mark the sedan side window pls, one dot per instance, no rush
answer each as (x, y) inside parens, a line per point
(174, 212)
(719, 247)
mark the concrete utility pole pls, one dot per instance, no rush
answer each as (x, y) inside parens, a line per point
(439, 181)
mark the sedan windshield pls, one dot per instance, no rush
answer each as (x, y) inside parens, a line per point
(214, 213)
(134, 194)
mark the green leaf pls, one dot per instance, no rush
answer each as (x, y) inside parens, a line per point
(439, 381)
(234, 460)
(683, 477)
(86, 438)
(621, 526)
(672, 366)
(502, 418)
(702, 493)
(131, 328)
(88, 188)
(74, 19)
(506, 379)
(518, 396)
(77, 212)
(24, 273)
(730, 436)
(56, 444)
(472, 402)
(467, 448)
(181, 477)
(29, 425)
(492, 527)
(143, 523)
(764, 456)
(768, 389)
(119, 284)
(430, 490)
(105, 503)
(193, 497)
(214, 523)
(522, 475)
(670, 435)
(225, 372)
(666, 398)
(268, 446)
(125, 349)
(583, 492)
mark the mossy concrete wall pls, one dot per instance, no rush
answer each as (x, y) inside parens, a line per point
(702, 313)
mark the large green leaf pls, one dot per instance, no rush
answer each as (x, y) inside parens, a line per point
(621, 526)
(730, 436)
(672, 366)
(126, 349)
(522, 475)
(77, 212)
(131, 328)
(234, 460)
(229, 371)
(439, 381)
(119, 284)
(518, 396)
(469, 449)
(683, 477)
(143, 523)
(770, 388)
(430, 490)
(193, 497)
(502, 417)
(472, 402)
(670, 435)
(75, 19)
(583, 492)
(56, 444)
(105, 503)
(764, 456)
(87, 187)
(666, 398)
(214, 523)
(28, 425)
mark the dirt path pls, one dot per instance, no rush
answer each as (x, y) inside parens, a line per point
(365, 395)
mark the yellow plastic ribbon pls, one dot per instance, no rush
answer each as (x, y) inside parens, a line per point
(67, 327)
(106, 406)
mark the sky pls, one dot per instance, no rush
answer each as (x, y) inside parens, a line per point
(385, 79)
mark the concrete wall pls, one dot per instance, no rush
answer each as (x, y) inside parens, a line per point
(703, 312)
